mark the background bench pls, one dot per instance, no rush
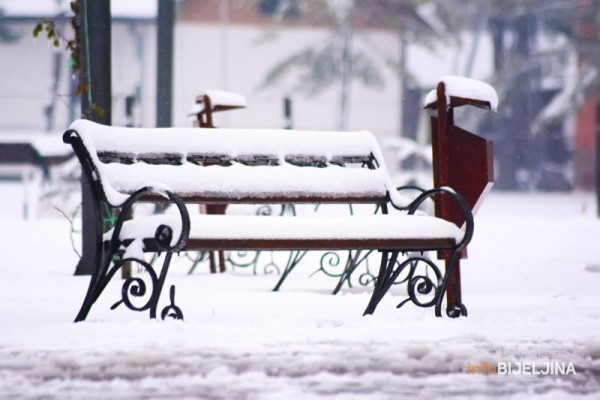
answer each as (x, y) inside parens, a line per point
(32, 158)
(216, 166)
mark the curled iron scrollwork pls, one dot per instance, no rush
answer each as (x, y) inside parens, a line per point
(421, 283)
(366, 278)
(135, 286)
(353, 261)
(196, 257)
(272, 268)
(330, 260)
(244, 259)
(265, 210)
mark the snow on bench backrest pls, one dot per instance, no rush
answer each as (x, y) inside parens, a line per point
(239, 165)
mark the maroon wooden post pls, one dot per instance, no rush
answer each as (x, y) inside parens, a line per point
(441, 178)
(205, 120)
(462, 161)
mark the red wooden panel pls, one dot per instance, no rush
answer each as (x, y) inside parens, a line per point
(469, 169)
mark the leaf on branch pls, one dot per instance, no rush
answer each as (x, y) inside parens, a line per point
(37, 30)
(98, 110)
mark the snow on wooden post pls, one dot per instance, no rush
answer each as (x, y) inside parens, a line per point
(461, 160)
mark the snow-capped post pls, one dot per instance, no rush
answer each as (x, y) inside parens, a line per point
(95, 105)
(461, 160)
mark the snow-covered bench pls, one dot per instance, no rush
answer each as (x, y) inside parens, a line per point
(195, 165)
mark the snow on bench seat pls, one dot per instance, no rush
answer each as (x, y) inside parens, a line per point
(210, 232)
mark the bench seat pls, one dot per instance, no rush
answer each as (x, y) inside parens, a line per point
(246, 232)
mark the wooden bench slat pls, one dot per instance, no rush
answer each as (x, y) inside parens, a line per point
(271, 198)
(313, 244)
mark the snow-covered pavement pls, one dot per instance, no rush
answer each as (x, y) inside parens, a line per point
(531, 284)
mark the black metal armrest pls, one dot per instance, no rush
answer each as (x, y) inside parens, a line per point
(411, 187)
(469, 222)
(406, 187)
(164, 233)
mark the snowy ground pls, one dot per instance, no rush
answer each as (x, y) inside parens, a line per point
(531, 284)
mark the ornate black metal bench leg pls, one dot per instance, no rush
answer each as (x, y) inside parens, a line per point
(455, 307)
(384, 281)
(423, 289)
(293, 260)
(136, 287)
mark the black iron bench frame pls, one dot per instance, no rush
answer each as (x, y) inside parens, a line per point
(109, 253)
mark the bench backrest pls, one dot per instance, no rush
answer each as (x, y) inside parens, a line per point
(235, 165)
